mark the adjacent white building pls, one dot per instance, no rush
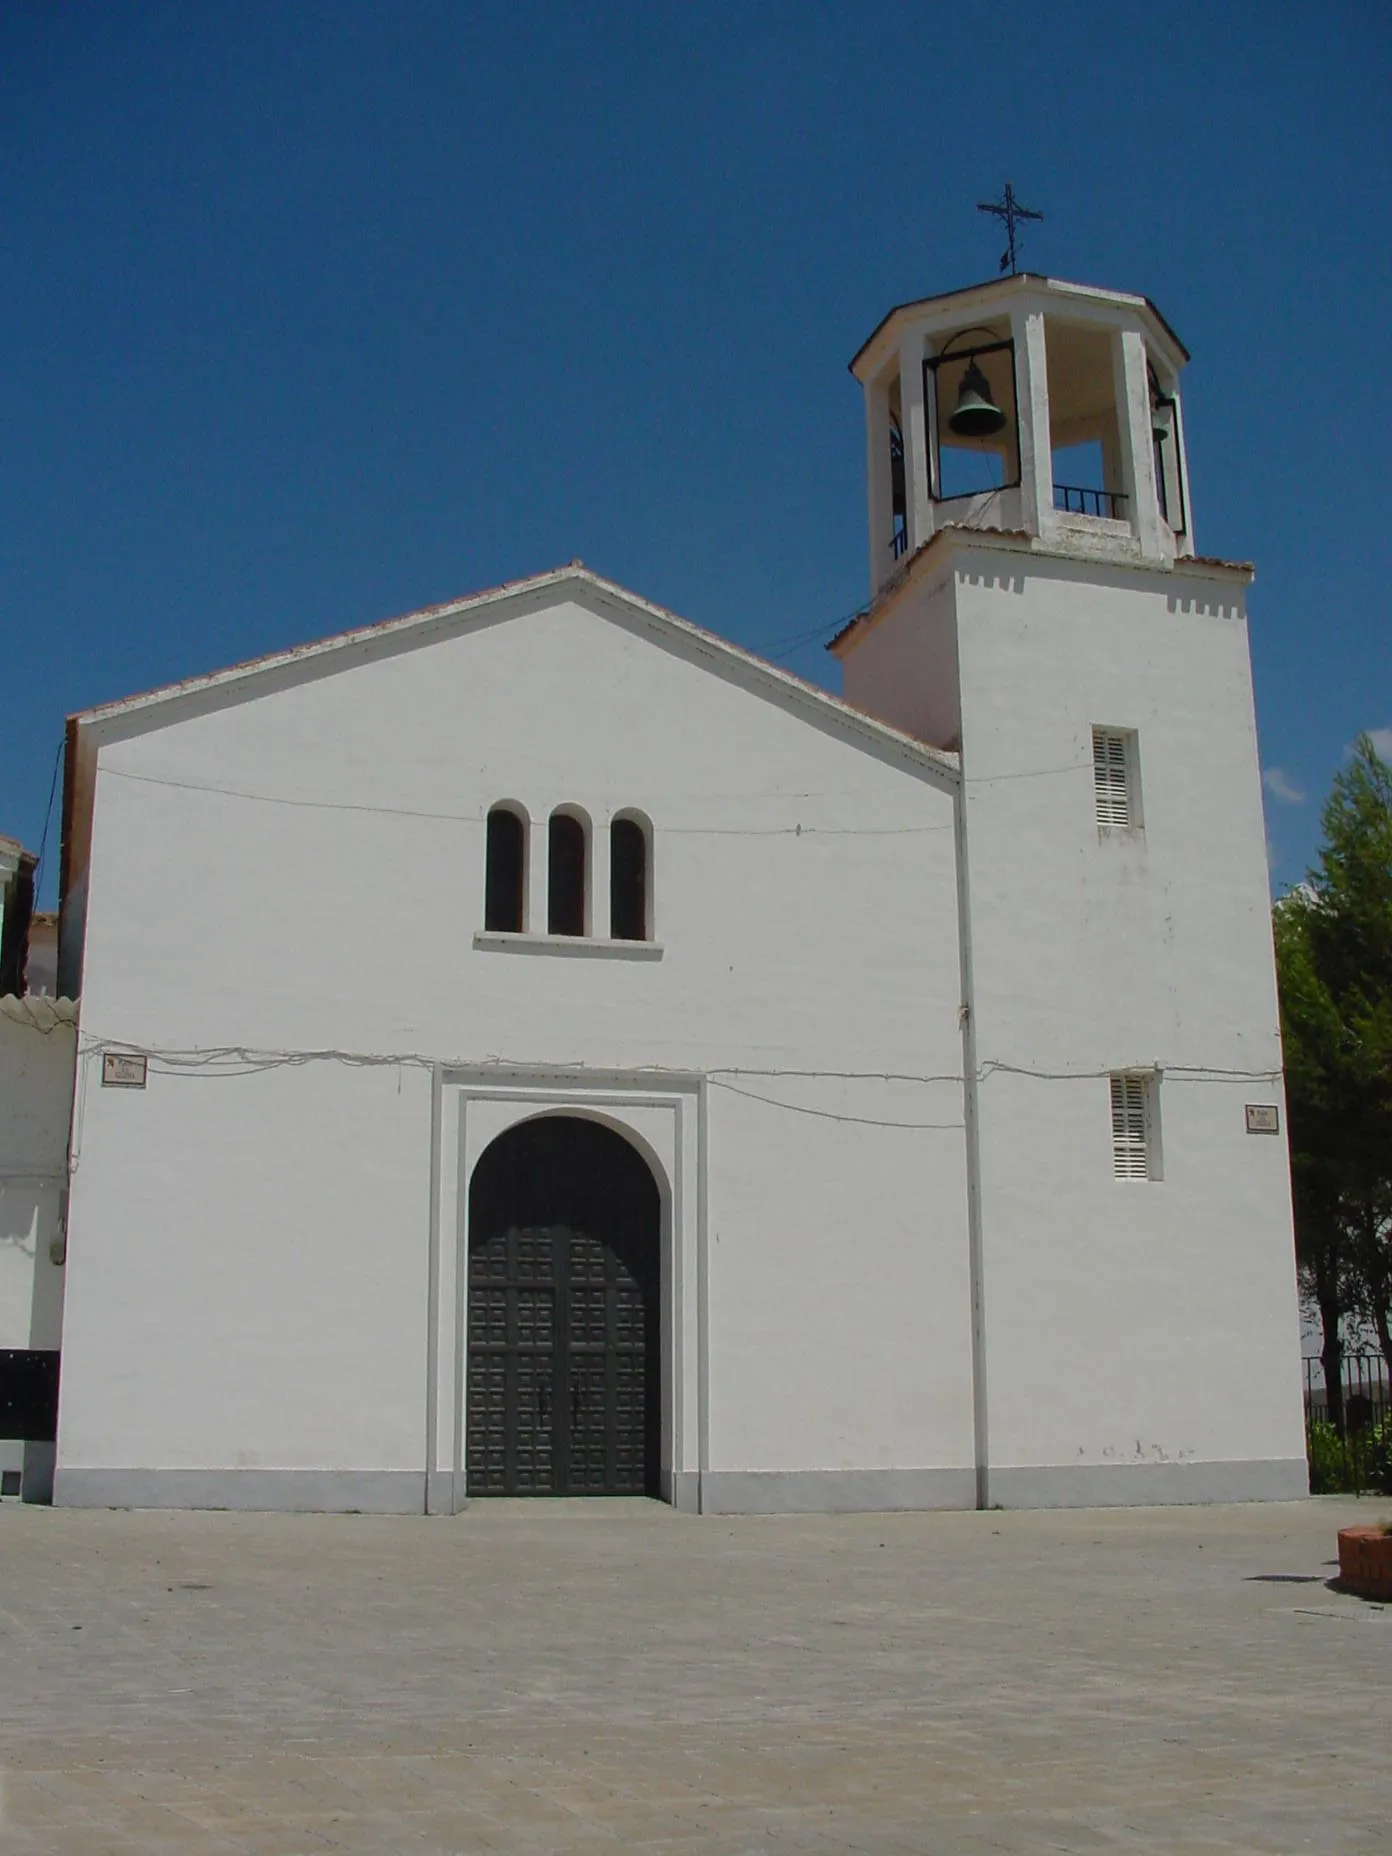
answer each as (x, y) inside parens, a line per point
(532, 1045)
(38, 1038)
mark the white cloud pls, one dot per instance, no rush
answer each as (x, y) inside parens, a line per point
(1381, 739)
(1280, 785)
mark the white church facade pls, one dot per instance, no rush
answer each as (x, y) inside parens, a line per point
(532, 1046)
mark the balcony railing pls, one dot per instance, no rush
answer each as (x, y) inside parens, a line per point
(1073, 500)
(899, 542)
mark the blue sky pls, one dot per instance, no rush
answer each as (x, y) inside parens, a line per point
(317, 313)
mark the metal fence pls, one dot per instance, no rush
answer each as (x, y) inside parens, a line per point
(1076, 500)
(1357, 1460)
(1365, 1380)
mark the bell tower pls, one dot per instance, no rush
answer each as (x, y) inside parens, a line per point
(1038, 610)
(1031, 405)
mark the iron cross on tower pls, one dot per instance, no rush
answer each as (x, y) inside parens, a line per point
(1010, 210)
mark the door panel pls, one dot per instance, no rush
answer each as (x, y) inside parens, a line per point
(563, 1359)
(532, 1430)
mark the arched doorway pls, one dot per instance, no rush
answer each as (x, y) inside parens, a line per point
(563, 1332)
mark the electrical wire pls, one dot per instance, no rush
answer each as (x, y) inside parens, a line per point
(48, 815)
(1189, 1073)
(479, 818)
(228, 1062)
(823, 635)
(797, 830)
(247, 1059)
(777, 648)
(823, 1114)
(250, 1058)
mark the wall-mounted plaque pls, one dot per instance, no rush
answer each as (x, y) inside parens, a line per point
(1263, 1118)
(123, 1069)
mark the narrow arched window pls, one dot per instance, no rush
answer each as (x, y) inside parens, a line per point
(628, 880)
(565, 875)
(505, 877)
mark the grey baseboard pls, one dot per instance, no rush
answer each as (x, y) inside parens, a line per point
(834, 1491)
(682, 1488)
(36, 1478)
(804, 1491)
(444, 1492)
(299, 1491)
(1140, 1485)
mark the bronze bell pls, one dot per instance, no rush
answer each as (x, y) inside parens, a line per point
(976, 414)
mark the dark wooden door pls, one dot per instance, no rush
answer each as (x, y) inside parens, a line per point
(563, 1365)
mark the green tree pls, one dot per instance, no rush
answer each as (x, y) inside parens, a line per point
(1310, 1041)
(1334, 963)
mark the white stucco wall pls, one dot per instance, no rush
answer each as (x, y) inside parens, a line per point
(1133, 1331)
(36, 1082)
(251, 1256)
(247, 1288)
(1129, 1323)
(41, 971)
(909, 676)
(267, 1244)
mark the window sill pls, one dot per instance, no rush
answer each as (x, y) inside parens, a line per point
(1084, 524)
(495, 941)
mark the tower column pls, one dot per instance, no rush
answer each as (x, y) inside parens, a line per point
(1036, 445)
(1187, 544)
(538, 868)
(877, 476)
(597, 921)
(912, 414)
(1137, 452)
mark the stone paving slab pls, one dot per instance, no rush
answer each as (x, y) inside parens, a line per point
(603, 1676)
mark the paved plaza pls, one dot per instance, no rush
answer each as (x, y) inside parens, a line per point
(605, 1676)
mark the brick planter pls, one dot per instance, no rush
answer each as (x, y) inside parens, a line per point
(1365, 1561)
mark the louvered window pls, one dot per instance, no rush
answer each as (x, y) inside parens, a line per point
(1134, 1149)
(1113, 756)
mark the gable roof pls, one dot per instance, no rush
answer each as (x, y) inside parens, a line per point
(158, 708)
(1024, 283)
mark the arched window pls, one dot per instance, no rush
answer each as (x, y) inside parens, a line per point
(506, 873)
(565, 875)
(628, 880)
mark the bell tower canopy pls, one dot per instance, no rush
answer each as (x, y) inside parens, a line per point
(1028, 404)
